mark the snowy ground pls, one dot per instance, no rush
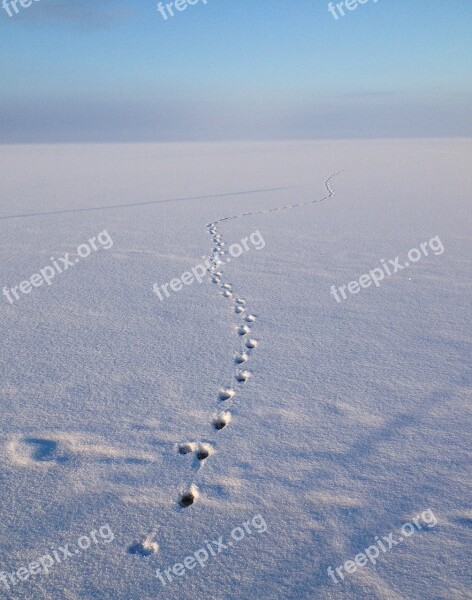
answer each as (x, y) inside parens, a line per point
(356, 417)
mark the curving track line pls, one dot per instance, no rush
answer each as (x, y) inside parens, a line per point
(245, 323)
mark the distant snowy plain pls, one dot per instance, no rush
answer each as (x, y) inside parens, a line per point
(356, 417)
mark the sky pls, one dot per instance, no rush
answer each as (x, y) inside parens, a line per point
(117, 71)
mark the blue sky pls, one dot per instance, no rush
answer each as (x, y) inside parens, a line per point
(114, 70)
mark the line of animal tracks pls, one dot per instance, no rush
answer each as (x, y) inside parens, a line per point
(247, 342)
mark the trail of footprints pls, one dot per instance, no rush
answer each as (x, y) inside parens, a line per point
(201, 451)
(223, 416)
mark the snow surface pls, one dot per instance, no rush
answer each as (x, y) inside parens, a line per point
(356, 416)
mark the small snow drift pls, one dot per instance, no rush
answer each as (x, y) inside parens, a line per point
(189, 497)
(226, 394)
(49, 449)
(222, 420)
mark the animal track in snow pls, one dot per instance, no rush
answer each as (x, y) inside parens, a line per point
(242, 376)
(220, 421)
(242, 358)
(187, 447)
(189, 497)
(251, 343)
(146, 547)
(203, 450)
(244, 329)
(226, 394)
(239, 302)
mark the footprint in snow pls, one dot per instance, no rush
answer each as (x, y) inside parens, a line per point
(242, 358)
(187, 447)
(203, 451)
(222, 420)
(244, 329)
(146, 547)
(226, 394)
(189, 497)
(251, 343)
(242, 376)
